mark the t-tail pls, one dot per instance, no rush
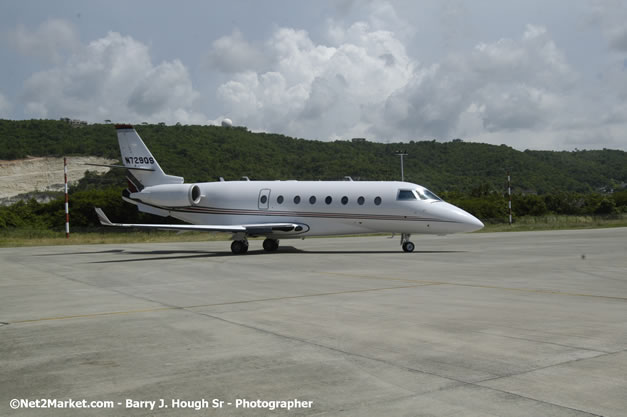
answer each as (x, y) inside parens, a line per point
(143, 168)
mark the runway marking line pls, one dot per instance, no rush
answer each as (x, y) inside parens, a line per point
(150, 310)
(494, 287)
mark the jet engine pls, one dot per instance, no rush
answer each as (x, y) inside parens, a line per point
(169, 195)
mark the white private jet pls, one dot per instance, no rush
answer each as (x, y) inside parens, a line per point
(282, 209)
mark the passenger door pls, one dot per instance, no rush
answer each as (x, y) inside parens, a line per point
(264, 199)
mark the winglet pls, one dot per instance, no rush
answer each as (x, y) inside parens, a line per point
(104, 220)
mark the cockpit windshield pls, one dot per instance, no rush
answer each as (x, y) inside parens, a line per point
(405, 195)
(425, 194)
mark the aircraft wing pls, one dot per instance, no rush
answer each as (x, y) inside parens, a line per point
(250, 229)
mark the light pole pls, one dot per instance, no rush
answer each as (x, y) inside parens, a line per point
(402, 154)
(509, 195)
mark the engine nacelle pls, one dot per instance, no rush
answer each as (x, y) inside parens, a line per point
(169, 195)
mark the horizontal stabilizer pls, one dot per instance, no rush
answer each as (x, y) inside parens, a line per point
(118, 166)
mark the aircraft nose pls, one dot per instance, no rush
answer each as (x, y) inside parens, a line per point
(464, 221)
(474, 222)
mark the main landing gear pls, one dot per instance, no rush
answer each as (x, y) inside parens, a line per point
(270, 245)
(240, 245)
(406, 244)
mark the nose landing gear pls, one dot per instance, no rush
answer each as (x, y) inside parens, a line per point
(406, 244)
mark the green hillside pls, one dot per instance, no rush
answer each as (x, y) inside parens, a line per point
(204, 153)
(469, 175)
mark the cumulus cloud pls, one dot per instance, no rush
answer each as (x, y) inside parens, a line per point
(325, 89)
(507, 85)
(363, 83)
(232, 53)
(50, 40)
(113, 78)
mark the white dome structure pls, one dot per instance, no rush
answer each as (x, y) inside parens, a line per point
(227, 123)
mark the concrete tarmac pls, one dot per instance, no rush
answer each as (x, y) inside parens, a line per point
(503, 324)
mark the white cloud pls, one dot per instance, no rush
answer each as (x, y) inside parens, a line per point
(363, 83)
(232, 54)
(521, 91)
(508, 84)
(322, 90)
(50, 40)
(113, 78)
(5, 107)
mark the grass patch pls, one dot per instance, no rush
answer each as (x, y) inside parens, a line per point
(44, 237)
(38, 237)
(555, 222)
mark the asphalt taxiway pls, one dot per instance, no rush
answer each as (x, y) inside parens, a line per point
(504, 324)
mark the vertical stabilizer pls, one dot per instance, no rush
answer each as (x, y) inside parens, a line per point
(143, 168)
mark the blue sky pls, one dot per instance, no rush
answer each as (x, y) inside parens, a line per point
(522, 73)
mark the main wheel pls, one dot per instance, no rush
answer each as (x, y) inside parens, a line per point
(408, 247)
(270, 245)
(239, 247)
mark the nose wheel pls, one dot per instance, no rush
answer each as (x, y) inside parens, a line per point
(270, 245)
(406, 244)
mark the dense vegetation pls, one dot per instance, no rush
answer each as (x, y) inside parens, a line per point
(203, 153)
(471, 175)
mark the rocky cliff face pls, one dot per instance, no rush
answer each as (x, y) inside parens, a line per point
(40, 178)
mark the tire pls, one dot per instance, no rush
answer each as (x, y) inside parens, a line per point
(239, 247)
(408, 247)
(270, 245)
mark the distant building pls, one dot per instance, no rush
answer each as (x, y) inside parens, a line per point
(78, 123)
(74, 122)
(358, 140)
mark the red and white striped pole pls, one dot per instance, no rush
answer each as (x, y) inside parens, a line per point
(509, 194)
(67, 206)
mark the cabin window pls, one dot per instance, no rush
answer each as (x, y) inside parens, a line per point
(312, 199)
(263, 199)
(406, 195)
(297, 199)
(344, 200)
(328, 200)
(361, 201)
(279, 199)
(377, 201)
